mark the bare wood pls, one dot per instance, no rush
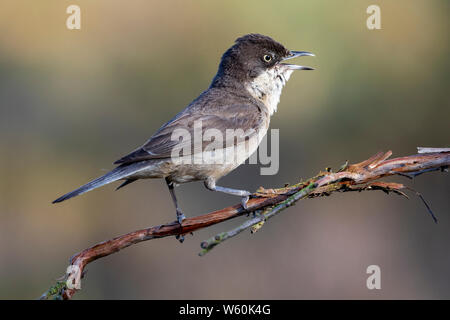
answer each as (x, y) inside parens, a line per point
(349, 178)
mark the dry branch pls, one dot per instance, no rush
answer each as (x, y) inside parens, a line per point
(265, 204)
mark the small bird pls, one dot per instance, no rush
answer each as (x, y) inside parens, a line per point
(244, 94)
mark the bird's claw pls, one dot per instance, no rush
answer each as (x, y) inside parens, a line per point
(244, 202)
(180, 217)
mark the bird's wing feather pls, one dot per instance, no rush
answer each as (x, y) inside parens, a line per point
(236, 116)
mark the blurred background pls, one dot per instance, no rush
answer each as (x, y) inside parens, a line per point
(73, 101)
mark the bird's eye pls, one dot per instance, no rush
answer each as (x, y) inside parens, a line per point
(267, 57)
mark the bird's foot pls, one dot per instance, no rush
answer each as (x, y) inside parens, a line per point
(245, 199)
(180, 238)
(180, 217)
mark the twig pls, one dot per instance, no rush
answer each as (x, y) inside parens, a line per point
(212, 242)
(268, 202)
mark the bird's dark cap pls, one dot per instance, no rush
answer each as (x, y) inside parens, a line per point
(264, 42)
(244, 59)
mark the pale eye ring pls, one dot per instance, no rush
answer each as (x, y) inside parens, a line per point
(267, 57)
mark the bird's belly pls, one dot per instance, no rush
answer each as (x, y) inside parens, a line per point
(217, 164)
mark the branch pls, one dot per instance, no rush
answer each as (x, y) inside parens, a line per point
(265, 203)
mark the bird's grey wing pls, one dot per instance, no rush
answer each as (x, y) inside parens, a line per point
(160, 145)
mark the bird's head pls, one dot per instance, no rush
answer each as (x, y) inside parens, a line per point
(259, 63)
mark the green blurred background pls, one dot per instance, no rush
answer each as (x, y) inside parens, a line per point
(71, 102)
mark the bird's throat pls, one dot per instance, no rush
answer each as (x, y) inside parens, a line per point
(268, 85)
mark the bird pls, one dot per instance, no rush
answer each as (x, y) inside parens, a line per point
(244, 94)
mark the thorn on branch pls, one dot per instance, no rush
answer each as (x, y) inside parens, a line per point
(426, 205)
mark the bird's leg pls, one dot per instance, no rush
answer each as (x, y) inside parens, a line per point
(210, 184)
(180, 215)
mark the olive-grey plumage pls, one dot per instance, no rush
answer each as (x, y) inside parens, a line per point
(243, 95)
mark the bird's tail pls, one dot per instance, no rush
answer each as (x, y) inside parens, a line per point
(118, 173)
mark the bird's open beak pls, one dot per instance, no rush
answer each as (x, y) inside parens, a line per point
(295, 54)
